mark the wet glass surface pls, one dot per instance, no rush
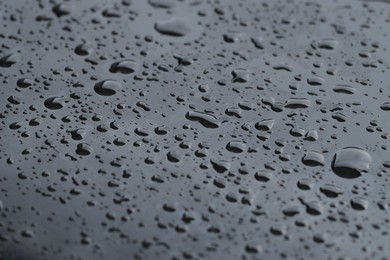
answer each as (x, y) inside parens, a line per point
(194, 129)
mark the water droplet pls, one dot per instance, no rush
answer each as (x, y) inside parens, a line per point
(220, 165)
(207, 120)
(55, 103)
(174, 157)
(84, 149)
(295, 103)
(62, 10)
(265, 125)
(240, 76)
(328, 44)
(107, 87)
(359, 203)
(24, 82)
(236, 147)
(351, 162)
(173, 27)
(9, 60)
(315, 81)
(305, 184)
(258, 42)
(345, 89)
(83, 49)
(312, 158)
(331, 191)
(167, 4)
(385, 106)
(124, 66)
(263, 176)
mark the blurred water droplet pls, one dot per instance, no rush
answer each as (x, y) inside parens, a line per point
(173, 27)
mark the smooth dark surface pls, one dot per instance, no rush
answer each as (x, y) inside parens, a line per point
(194, 129)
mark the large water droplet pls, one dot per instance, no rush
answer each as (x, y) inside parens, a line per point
(351, 162)
(207, 120)
(124, 66)
(55, 102)
(312, 158)
(162, 3)
(172, 27)
(107, 87)
(345, 89)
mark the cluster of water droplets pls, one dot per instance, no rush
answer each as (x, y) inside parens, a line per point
(194, 129)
